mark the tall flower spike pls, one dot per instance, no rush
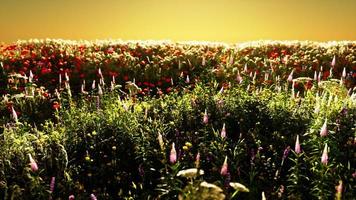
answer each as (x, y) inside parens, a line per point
(324, 129)
(344, 73)
(290, 77)
(205, 118)
(100, 91)
(297, 146)
(238, 78)
(315, 76)
(339, 189)
(187, 80)
(223, 170)
(14, 114)
(52, 184)
(93, 197)
(33, 163)
(324, 157)
(160, 141)
(197, 160)
(173, 154)
(333, 62)
(223, 132)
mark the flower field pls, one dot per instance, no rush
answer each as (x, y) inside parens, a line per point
(162, 120)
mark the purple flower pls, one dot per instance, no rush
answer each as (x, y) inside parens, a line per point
(173, 154)
(51, 185)
(286, 152)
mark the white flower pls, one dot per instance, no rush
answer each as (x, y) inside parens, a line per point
(239, 187)
(190, 173)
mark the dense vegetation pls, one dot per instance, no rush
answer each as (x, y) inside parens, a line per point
(139, 120)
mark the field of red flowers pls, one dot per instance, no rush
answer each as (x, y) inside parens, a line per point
(162, 120)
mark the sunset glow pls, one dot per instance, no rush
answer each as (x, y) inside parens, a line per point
(212, 20)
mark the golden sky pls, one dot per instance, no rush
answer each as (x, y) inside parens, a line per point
(179, 20)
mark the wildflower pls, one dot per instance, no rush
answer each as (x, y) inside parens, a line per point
(160, 141)
(239, 187)
(290, 77)
(197, 160)
(223, 170)
(297, 146)
(173, 154)
(286, 152)
(100, 91)
(339, 190)
(66, 76)
(93, 197)
(30, 77)
(221, 90)
(190, 173)
(14, 114)
(93, 85)
(324, 157)
(187, 80)
(33, 163)
(263, 196)
(324, 130)
(71, 197)
(51, 185)
(223, 132)
(333, 62)
(239, 78)
(210, 186)
(205, 118)
(315, 76)
(343, 73)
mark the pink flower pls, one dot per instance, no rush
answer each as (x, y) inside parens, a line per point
(173, 154)
(344, 73)
(297, 146)
(93, 197)
(239, 78)
(339, 190)
(205, 118)
(14, 114)
(51, 185)
(290, 77)
(187, 80)
(315, 76)
(223, 170)
(223, 132)
(333, 62)
(324, 129)
(197, 160)
(71, 197)
(324, 157)
(33, 163)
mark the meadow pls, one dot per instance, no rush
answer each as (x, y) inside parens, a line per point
(161, 120)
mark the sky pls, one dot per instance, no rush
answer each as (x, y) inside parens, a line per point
(227, 21)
